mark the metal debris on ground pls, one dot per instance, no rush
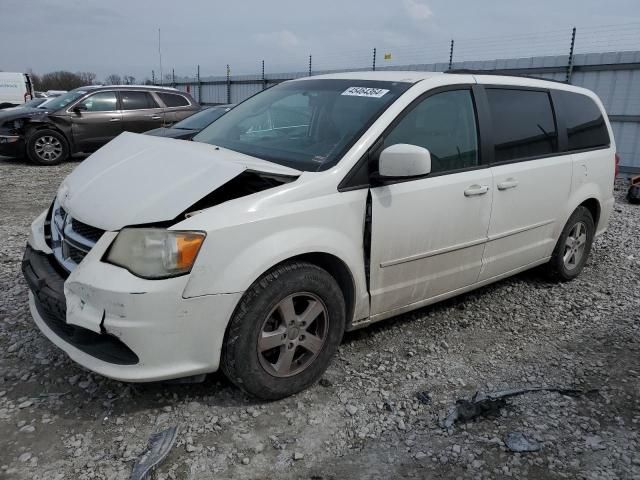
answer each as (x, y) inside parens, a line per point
(424, 397)
(518, 442)
(158, 448)
(633, 195)
(484, 404)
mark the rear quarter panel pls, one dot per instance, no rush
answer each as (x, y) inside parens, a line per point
(594, 173)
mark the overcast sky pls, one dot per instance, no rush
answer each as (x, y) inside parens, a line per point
(121, 36)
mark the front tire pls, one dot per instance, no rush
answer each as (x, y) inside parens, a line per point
(47, 147)
(573, 247)
(285, 331)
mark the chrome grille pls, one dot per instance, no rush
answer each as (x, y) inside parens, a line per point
(71, 239)
(86, 231)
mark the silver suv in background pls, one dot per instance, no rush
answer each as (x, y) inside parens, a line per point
(86, 118)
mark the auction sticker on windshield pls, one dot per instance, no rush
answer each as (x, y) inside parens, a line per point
(365, 92)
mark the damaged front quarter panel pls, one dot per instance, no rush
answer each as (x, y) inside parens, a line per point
(24, 121)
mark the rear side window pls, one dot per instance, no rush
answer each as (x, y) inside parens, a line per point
(585, 124)
(173, 100)
(523, 124)
(132, 100)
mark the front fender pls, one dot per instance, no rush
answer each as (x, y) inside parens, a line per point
(234, 257)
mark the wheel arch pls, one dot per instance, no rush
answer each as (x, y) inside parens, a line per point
(593, 205)
(38, 126)
(336, 267)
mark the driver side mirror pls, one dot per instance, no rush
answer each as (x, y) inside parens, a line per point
(401, 161)
(80, 108)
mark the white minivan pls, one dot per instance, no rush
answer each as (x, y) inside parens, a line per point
(320, 205)
(15, 89)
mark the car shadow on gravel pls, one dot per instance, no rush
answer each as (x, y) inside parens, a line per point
(75, 158)
(534, 277)
(217, 391)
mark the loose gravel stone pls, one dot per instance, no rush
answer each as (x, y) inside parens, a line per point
(364, 419)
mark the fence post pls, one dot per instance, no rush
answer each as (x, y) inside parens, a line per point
(374, 59)
(153, 77)
(173, 77)
(228, 84)
(199, 86)
(264, 84)
(309, 65)
(451, 55)
(570, 61)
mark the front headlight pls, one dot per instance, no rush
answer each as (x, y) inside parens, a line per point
(154, 252)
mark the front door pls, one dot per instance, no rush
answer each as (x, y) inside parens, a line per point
(428, 234)
(97, 121)
(140, 111)
(532, 181)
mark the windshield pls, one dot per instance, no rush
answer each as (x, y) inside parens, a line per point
(34, 103)
(199, 120)
(62, 101)
(307, 125)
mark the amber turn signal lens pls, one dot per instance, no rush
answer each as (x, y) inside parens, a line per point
(188, 245)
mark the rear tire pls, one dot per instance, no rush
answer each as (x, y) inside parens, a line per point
(285, 331)
(573, 247)
(47, 147)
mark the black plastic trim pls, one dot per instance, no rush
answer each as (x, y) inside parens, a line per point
(47, 286)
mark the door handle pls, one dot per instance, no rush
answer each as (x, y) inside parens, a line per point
(154, 117)
(507, 184)
(114, 120)
(475, 190)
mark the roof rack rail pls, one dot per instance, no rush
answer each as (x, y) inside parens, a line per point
(471, 71)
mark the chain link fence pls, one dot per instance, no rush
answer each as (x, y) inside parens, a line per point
(605, 59)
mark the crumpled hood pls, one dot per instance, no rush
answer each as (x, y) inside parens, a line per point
(139, 179)
(179, 133)
(20, 112)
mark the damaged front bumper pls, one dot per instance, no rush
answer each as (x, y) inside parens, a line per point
(11, 145)
(122, 326)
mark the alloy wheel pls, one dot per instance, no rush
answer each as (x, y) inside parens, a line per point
(574, 246)
(48, 148)
(293, 334)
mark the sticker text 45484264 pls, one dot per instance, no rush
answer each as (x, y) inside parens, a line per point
(365, 92)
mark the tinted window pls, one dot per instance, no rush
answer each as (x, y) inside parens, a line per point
(137, 100)
(585, 124)
(445, 125)
(173, 100)
(101, 102)
(523, 124)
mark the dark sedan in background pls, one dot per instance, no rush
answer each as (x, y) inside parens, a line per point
(86, 118)
(187, 128)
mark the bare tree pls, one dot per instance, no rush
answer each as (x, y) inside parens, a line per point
(129, 79)
(35, 79)
(88, 78)
(61, 80)
(113, 79)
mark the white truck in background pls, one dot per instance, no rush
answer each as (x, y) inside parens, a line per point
(15, 89)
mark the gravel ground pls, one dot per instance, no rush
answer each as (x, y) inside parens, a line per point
(363, 420)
